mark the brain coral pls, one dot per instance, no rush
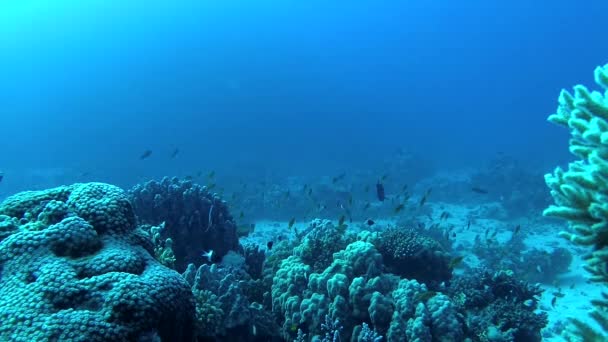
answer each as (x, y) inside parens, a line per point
(73, 266)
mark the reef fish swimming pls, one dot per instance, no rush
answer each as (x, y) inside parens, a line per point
(380, 192)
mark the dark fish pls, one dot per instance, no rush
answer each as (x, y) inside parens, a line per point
(338, 178)
(456, 261)
(291, 222)
(350, 200)
(367, 205)
(479, 190)
(241, 215)
(341, 221)
(454, 234)
(384, 177)
(404, 188)
(370, 222)
(1, 176)
(310, 192)
(469, 224)
(517, 228)
(269, 245)
(399, 208)
(380, 192)
(424, 198)
(174, 153)
(146, 154)
(553, 301)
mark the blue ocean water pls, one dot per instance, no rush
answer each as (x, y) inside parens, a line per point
(286, 87)
(262, 98)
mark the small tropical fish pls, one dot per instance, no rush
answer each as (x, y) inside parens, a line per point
(174, 153)
(479, 190)
(517, 228)
(553, 301)
(399, 208)
(341, 221)
(208, 255)
(384, 177)
(146, 154)
(444, 215)
(366, 206)
(424, 296)
(370, 222)
(380, 192)
(338, 178)
(529, 303)
(269, 245)
(294, 328)
(424, 197)
(291, 222)
(456, 261)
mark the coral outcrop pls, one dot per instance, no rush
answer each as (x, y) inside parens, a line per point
(73, 266)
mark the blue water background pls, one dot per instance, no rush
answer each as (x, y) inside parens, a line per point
(252, 88)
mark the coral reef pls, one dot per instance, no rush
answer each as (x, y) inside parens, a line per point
(580, 193)
(414, 256)
(224, 304)
(75, 267)
(498, 307)
(530, 264)
(194, 219)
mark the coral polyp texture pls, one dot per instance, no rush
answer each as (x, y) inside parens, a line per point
(581, 192)
(75, 267)
(195, 220)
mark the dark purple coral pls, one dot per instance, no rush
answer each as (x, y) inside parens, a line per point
(196, 220)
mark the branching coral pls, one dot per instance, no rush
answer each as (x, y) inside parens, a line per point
(581, 192)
